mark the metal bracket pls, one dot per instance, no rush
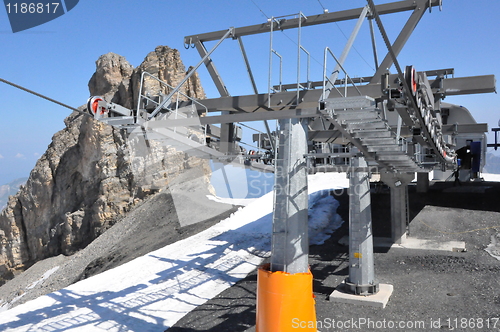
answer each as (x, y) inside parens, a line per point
(361, 289)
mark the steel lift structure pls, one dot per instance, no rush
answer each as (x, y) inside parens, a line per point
(395, 124)
(496, 144)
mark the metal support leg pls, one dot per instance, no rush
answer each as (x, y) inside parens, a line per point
(422, 182)
(227, 143)
(399, 203)
(361, 279)
(399, 213)
(290, 243)
(284, 287)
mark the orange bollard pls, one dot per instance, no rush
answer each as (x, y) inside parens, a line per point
(285, 302)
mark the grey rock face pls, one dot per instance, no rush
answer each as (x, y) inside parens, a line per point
(117, 81)
(112, 78)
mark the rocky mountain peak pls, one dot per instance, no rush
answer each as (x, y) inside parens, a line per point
(117, 81)
(112, 78)
(93, 174)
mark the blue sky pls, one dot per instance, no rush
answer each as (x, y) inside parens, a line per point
(58, 58)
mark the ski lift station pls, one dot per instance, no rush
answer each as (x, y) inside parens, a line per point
(394, 124)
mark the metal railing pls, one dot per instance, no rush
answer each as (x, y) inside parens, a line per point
(272, 52)
(261, 134)
(175, 111)
(308, 80)
(326, 78)
(193, 70)
(299, 50)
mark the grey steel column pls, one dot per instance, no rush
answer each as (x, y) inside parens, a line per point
(422, 182)
(361, 279)
(399, 203)
(399, 213)
(290, 242)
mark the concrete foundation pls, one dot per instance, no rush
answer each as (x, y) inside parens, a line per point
(423, 244)
(413, 243)
(378, 300)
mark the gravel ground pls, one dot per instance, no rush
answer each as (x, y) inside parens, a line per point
(149, 226)
(432, 289)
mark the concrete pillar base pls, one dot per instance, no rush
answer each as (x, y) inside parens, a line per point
(379, 300)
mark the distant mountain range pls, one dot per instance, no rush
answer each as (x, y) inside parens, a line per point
(492, 164)
(10, 189)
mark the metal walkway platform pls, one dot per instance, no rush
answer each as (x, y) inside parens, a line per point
(363, 125)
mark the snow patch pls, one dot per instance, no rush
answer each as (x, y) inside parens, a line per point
(152, 292)
(494, 247)
(323, 219)
(233, 201)
(491, 177)
(44, 276)
(6, 305)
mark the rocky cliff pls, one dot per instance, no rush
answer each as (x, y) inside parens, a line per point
(9, 189)
(92, 174)
(117, 81)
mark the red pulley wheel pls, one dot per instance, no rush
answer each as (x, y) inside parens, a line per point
(93, 106)
(411, 79)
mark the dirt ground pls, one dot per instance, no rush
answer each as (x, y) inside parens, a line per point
(150, 226)
(432, 289)
(441, 290)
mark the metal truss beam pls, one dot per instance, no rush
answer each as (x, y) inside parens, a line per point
(366, 79)
(254, 85)
(465, 128)
(345, 52)
(343, 169)
(227, 130)
(419, 11)
(239, 117)
(205, 58)
(221, 87)
(469, 85)
(309, 98)
(449, 129)
(327, 136)
(339, 16)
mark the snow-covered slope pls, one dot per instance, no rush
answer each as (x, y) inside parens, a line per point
(491, 177)
(154, 291)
